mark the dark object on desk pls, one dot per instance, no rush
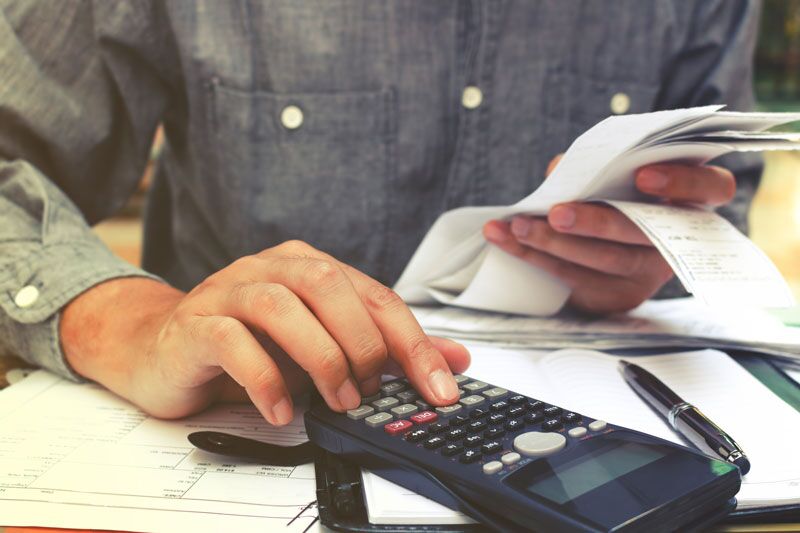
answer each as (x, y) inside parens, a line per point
(683, 417)
(253, 450)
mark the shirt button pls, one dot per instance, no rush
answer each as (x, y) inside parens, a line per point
(291, 117)
(620, 103)
(26, 296)
(472, 97)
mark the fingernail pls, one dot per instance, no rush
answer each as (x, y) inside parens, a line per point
(562, 216)
(348, 395)
(652, 179)
(370, 385)
(495, 233)
(443, 386)
(283, 412)
(520, 226)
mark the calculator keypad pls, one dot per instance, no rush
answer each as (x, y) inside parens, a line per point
(488, 423)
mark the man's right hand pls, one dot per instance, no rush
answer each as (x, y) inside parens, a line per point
(258, 325)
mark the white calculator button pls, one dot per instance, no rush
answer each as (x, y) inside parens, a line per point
(360, 412)
(577, 432)
(495, 393)
(404, 410)
(598, 425)
(378, 419)
(475, 386)
(472, 401)
(510, 458)
(384, 404)
(460, 378)
(392, 387)
(537, 444)
(448, 410)
(492, 467)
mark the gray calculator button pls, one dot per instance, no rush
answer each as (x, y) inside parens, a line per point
(472, 401)
(461, 393)
(448, 410)
(510, 458)
(492, 467)
(460, 378)
(404, 410)
(360, 412)
(370, 399)
(537, 444)
(598, 425)
(577, 432)
(422, 404)
(384, 404)
(378, 419)
(407, 396)
(495, 393)
(392, 387)
(475, 386)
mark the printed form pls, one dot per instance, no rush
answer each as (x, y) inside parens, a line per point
(77, 456)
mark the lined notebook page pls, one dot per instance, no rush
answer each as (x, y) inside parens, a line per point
(588, 382)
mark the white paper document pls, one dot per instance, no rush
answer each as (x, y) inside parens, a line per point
(77, 456)
(453, 265)
(588, 382)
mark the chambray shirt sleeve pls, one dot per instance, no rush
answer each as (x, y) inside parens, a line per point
(714, 65)
(79, 103)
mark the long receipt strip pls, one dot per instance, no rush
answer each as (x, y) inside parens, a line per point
(588, 382)
(76, 456)
(453, 265)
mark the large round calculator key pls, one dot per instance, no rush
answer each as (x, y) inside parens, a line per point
(425, 417)
(398, 426)
(473, 441)
(470, 456)
(434, 442)
(452, 449)
(553, 424)
(416, 435)
(537, 444)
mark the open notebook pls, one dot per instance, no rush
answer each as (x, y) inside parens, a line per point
(766, 427)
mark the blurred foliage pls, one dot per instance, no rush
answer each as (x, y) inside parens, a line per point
(777, 62)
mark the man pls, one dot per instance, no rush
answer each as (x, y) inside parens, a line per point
(309, 146)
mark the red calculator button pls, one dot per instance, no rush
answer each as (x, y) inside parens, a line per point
(425, 417)
(398, 426)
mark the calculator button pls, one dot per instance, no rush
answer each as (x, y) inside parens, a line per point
(407, 396)
(476, 425)
(516, 411)
(456, 434)
(517, 399)
(378, 419)
(570, 418)
(425, 417)
(552, 425)
(495, 393)
(515, 424)
(460, 378)
(510, 458)
(492, 467)
(491, 447)
(535, 405)
(473, 441)
(437, 427)
(452, 449)
(392, 387)
(404, 410)
(536, 444)
(470, 456)
(434, 442)
(448, 410)
(499, 406)
(577, 432)
(384, 404)
(552, 411)
(475, 386)
(458, 420)
(494, 432)
(598, 425)
(471, 401)
(398, 426)
(416, 435)
(360, 412)
(496, 418)
(534, 417)
(422, 404)
(479, 412)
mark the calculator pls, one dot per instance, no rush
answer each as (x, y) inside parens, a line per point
(514, 462)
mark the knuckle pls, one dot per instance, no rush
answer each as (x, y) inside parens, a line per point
(322, 275)
(273, 299)
(222, 330)
(371, 353)
(296, 247)
(381, 298)
(329, 361)
(264, 379)
(419, 349)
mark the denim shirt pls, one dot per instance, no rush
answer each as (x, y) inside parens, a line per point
(343, 123)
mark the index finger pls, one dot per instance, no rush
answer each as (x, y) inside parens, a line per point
(709, 185)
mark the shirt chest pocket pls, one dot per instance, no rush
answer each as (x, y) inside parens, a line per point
(310, 166)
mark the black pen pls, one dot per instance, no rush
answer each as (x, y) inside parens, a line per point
(684, 417)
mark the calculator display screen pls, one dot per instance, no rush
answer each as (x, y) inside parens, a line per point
(583, 474)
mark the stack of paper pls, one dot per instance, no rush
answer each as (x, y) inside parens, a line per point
(679, 323)
(453, 265)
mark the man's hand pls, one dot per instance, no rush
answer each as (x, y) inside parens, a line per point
(260, 325)
(608, 262)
